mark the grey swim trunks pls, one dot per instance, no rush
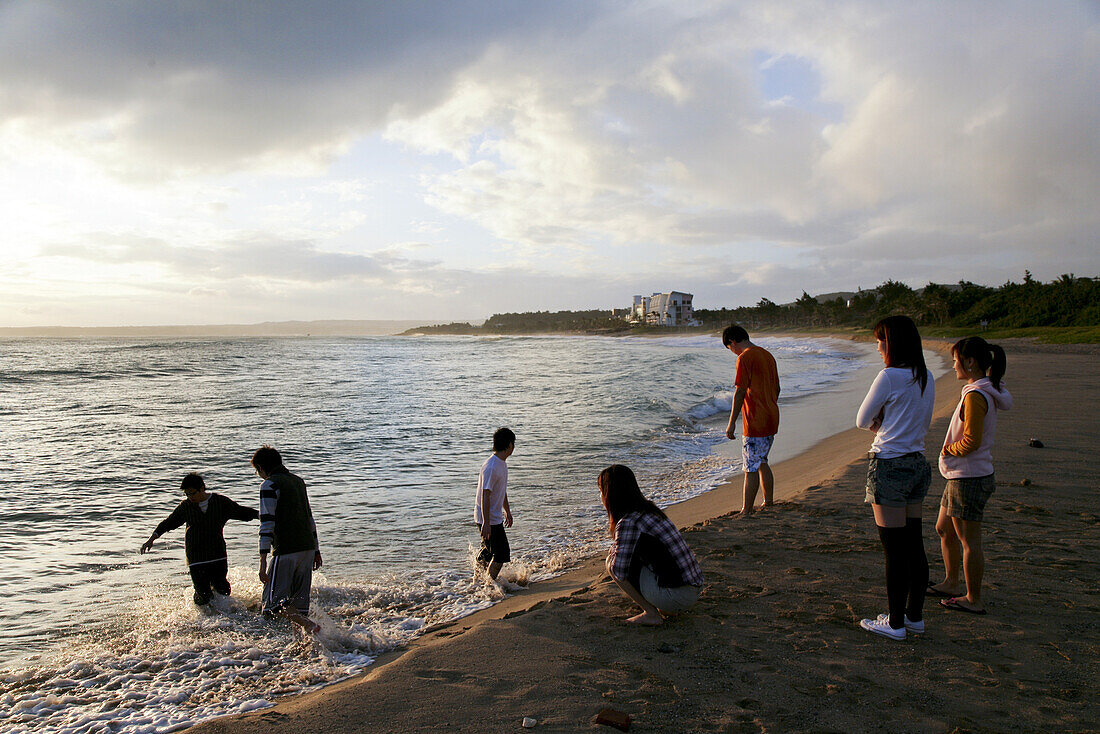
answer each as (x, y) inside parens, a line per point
(291, 575)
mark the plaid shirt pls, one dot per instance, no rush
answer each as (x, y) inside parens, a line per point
(629, 531)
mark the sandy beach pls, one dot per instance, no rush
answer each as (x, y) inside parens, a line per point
(774, 643)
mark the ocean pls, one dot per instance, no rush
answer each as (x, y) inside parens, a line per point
(389, 434)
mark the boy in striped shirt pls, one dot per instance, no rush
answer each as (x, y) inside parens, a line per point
(289, 534)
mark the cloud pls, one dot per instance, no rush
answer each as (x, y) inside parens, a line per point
(549, 151)
(256, 277)
(256, 257)
(154, 88)
(953, 122)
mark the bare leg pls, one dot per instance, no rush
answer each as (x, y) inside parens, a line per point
(752, 486)
(890, 517)
(650, 616)
(302, 621)
(970, 535)
(951, 551)
(494, 569)
(767, 482)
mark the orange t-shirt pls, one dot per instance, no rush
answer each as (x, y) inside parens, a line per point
(757, 373)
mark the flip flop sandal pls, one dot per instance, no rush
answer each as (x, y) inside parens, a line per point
(936, 592)
(953, 604)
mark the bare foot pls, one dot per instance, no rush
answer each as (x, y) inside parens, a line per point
(939, 590)
(963, 603)
(307, 624)
(646, 619)
(743, 513)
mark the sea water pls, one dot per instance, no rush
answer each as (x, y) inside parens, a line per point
(389, 434)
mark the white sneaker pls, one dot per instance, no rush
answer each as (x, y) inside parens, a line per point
(882, 627)
(910, 626)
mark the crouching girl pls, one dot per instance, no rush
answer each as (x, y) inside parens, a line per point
(649, 559)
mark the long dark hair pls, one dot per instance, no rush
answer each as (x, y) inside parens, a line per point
(903, 346)
(990, 357)
(621, 495)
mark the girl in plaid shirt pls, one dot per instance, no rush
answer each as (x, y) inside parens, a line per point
(649, 559)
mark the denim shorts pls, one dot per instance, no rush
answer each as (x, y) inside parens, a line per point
(965, 498)
(754, 451)
(900, 481)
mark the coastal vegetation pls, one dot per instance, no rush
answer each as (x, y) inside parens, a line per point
(1065, 309)
(537, 322)
(1066, 302)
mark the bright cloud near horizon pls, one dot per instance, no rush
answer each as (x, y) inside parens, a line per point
(199, 163)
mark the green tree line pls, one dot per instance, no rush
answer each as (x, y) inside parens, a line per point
(593, 321)
(1066, 301)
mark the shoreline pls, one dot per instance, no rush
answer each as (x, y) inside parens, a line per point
(807, 467)
(705, 506)
(773, 643)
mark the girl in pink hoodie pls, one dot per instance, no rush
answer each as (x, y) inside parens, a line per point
(966, 463)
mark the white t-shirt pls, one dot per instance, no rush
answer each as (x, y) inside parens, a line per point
(906, 412)
(494, 477)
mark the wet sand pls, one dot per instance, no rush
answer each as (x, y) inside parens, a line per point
(773, 645)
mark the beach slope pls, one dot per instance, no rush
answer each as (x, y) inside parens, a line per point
(773, 645)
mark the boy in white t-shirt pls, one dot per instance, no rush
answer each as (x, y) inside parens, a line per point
(491, 511)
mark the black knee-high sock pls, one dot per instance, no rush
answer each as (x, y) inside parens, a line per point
(897, 573)
(918, 568)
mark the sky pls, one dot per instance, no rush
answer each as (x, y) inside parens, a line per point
(212, 162)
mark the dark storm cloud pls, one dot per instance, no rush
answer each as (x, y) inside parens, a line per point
(207, 84)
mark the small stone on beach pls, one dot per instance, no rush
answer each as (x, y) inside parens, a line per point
(529, 723)
(611, 717)
(1035, 443)
(1025, 482)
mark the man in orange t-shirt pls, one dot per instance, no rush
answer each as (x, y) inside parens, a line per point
(757, 401)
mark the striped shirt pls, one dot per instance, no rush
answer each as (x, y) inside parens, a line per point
(645, 539)
(278, 529)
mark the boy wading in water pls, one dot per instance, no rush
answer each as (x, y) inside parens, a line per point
(288, 532)
(491, 511)
(757, 401)
(205, 514)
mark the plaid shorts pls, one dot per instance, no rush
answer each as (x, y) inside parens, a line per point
(965, 498)
(754, 451)
(899, 481)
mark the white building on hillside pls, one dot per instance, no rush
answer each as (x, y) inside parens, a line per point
(663, 309)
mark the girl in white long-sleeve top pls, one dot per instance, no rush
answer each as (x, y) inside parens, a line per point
(898, 410)
(966, 462)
